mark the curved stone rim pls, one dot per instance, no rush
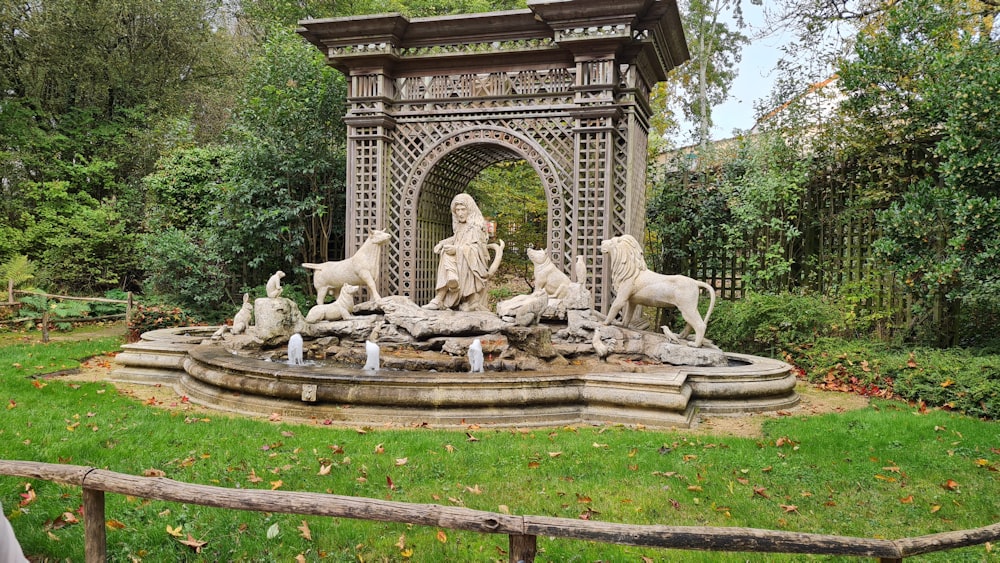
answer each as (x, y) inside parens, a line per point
(665, 396)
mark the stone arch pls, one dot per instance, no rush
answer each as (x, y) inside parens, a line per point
(563, 84)
(446, 169)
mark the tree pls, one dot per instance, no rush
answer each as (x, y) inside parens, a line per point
(286, 201)
(183, 262)
(926, 79)
(704, 81)
(90, 94)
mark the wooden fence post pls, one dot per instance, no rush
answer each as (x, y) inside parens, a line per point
(45, 325)
(95, 541)
(128, 310)
(522, 548)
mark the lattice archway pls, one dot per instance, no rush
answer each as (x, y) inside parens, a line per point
(446, 169)
(563, 85)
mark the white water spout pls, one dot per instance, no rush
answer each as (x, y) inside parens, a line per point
(295, 350)
(372, 351)
(476, 357)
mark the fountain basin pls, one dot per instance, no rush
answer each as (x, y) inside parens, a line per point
(653, 396)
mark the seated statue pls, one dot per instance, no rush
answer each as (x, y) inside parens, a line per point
(464, 267)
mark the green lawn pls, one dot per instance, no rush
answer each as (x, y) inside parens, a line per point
(887, 471)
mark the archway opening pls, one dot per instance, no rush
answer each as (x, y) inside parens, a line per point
(508, 191)
(512, 196)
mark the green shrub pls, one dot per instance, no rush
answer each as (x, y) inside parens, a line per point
(100, 309)
(768, 323)
(954, 379)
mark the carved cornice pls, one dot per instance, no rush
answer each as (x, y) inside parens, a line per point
(549, 34)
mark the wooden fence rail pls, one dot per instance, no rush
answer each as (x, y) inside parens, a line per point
(521, 530)
(127, 315)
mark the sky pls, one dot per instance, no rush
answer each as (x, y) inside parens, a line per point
(756, 76)
(754, 81)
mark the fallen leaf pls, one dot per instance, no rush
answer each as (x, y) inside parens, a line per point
(401, 543)
(474, 490)
(194, 544)
(176, 532)
(324, 469)
(27, 497)
(379, 449)
(449, 448)
(695, 488)
(272, 531)
(784, 440)
(253, 478)
(583, 499)
(275, 417)
(115, 525)
(471, 438)
(789, 507)
(950, 485)
(761, 491)
(154, 473)
(907, 500)
(935, 508)
(388, 481)
(401, 461)
(69, 518)
(441, 536)
(304, 531)
(276, 484)
(555, 454)
(300, 558)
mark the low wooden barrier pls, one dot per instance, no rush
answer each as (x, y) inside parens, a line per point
(46, 320)
(522, 531)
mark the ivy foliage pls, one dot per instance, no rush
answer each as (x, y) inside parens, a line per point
(764, 187)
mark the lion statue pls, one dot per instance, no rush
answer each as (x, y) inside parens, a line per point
(633, 285)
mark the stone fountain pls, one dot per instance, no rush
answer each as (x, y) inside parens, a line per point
(547, 358)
